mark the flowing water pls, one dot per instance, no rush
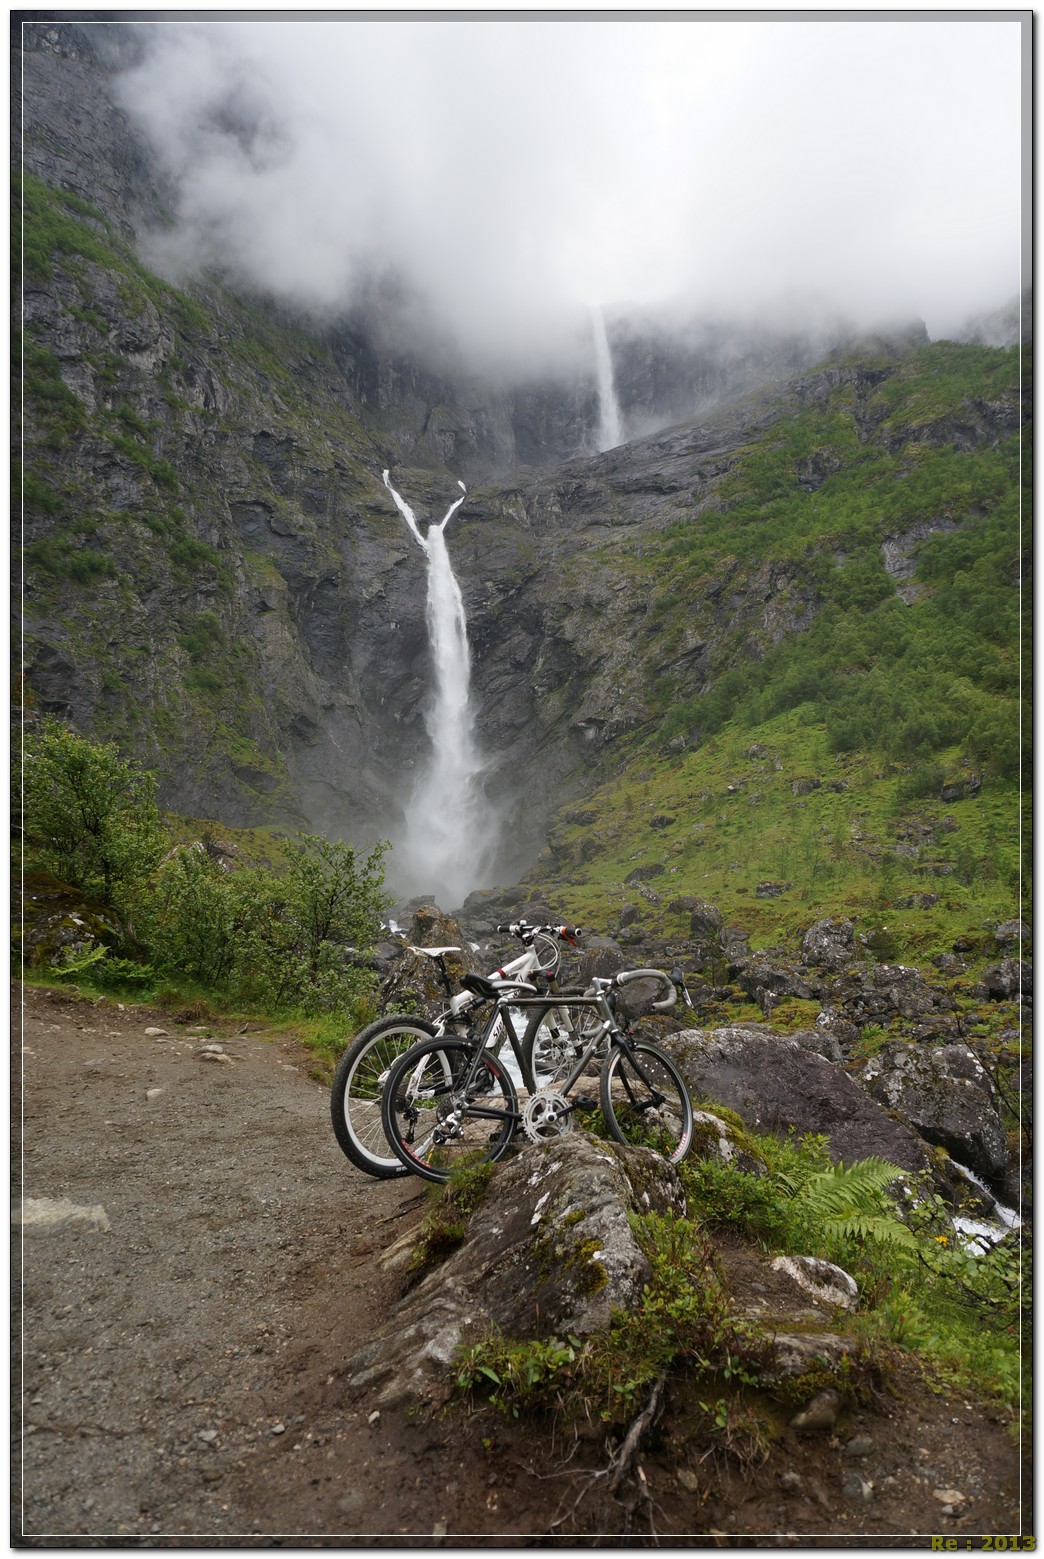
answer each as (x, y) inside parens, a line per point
(448, 837)
(978, 1234)
(610, 428)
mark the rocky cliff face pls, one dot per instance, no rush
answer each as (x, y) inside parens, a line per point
(216, 577)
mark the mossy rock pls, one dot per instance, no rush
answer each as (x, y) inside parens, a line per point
(60, 925)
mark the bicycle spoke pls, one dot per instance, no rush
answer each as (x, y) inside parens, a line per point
(442, 1109)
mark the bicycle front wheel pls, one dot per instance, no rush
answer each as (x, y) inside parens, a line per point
(441, 1113)
(355, 1096)
(554, 1041)
(645, 1101)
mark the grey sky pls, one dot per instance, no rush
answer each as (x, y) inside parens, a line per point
(510, 169)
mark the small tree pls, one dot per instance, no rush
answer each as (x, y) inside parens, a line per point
(280, 939)
(88, 814)
(322, 908)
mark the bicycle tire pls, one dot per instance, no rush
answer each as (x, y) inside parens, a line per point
(355, 1105)
(549, 1050)
(420, 1097)
(661, 1119)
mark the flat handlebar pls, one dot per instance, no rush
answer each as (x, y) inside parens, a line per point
(522, 929)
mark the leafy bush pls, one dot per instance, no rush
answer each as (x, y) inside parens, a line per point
(281, 940)
(684, 1316)
(89, 815)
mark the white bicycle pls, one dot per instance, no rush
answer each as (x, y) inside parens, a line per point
(355, 1096)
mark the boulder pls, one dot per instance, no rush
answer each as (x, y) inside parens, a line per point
(414, 984)
(706, 922)
(59, 925)
(761, 976)
(1012, 931)
(945, 1095)
(826, 1283)
(774, 1084)
(550, 1251)
(830, 944)
(1008, 979)
(714, 1138)
(822, 1040)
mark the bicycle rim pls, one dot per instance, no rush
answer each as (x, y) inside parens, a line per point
(650, 1107)
(436, 1122)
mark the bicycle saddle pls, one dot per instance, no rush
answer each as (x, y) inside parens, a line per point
(434, 952)
(480, 987)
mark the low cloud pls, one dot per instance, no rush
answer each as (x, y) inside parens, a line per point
(503, 172)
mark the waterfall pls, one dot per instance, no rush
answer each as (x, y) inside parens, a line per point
(449, 829)
(610, 432)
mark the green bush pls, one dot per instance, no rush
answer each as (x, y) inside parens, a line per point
(280, 940)
(88, 814)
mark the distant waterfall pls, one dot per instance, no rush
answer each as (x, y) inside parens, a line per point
(448, 837)
(610, 429)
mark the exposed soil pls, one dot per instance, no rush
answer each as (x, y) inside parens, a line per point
(184, 1328)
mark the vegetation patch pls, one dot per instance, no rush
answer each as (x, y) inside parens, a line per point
(445, 1228)
(289, 938)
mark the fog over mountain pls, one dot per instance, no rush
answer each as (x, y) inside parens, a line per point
(502, 173)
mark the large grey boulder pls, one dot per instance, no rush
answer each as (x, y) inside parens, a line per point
(764, 979)
(775, 1084)
(1009, 978)
(830, 944)
(945, 1094)
(550, 1250)
(413, 983)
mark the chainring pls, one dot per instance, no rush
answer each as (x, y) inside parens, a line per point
(547, 1114)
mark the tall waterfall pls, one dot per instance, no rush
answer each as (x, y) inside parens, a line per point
(449, 833)
(610, 427)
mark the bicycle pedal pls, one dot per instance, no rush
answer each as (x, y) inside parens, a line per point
(583, 1103)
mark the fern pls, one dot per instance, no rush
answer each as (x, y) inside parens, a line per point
(852, 1201)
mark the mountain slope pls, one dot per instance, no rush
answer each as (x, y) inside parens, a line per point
(215, 575)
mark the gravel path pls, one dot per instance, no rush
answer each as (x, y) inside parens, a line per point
(182, 1206)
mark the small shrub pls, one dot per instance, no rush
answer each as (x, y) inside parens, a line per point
(89, 815)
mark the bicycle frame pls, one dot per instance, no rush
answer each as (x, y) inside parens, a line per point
(598, 1001)
(610, 1025)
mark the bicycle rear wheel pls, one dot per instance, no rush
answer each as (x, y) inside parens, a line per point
(645, 1101)
(355, 1095)
(437, 1120)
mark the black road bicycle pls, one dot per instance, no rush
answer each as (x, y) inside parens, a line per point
(355, 1095)
(450, 1102)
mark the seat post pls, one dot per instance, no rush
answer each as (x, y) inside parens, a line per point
(447, 984)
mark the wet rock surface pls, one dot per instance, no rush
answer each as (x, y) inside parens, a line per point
(549, 1252)
(775, 1084)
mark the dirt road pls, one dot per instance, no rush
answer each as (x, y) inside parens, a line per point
(186, 1208)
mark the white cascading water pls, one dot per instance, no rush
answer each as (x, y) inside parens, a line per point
(448, 836)
(610, 425)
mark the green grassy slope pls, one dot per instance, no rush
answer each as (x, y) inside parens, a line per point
(871, 758)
